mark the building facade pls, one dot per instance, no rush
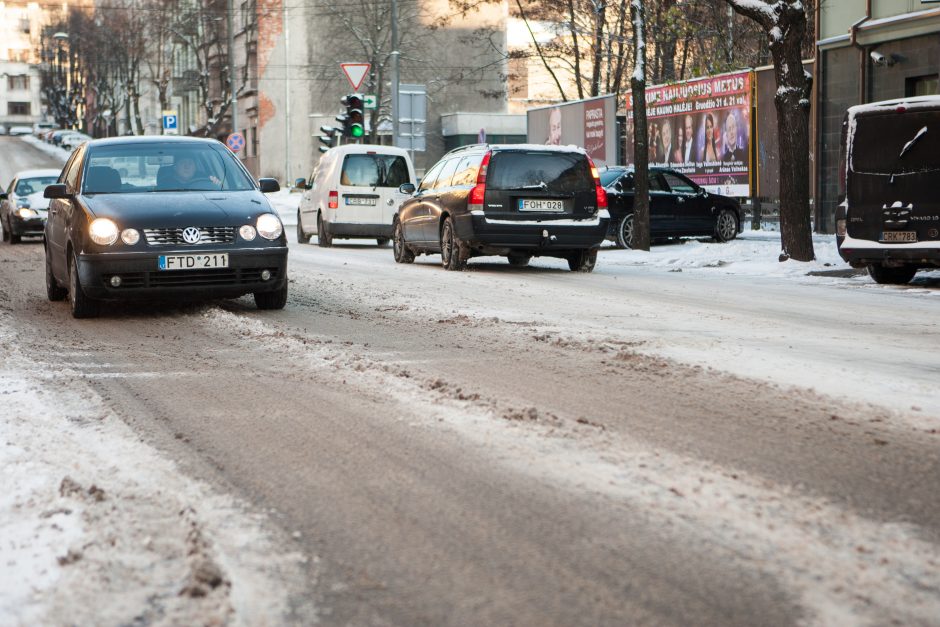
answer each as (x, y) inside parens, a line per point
(869, 50)
(20, 82)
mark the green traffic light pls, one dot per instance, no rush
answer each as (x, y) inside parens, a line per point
(357, 131)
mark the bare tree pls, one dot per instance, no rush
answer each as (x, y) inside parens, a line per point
(784, 23)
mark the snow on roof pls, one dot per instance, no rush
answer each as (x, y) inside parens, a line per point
(917, 102)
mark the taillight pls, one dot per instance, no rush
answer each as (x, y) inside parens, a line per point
(598, 188)
(334, 200)
(475, 202)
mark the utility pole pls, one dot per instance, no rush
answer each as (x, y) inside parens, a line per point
(395, 73)
(230, 22)
(287, 77)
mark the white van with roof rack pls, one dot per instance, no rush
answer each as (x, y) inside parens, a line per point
(353, 193)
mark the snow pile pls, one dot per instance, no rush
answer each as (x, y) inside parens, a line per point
(54, 151)
(98, 528)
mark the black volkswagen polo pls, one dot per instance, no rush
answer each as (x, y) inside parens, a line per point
(161, 217)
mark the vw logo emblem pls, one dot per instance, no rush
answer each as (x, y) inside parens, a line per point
(191, 235)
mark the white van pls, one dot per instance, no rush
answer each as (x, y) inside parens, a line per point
(353, 193)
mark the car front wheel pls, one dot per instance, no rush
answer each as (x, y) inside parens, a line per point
(271, 300)
(80, 305)
(54, 291)
(624, 235)
(583, 260)
(520, 261)
(403, 254)
(891, 276)
(726, 226)
(324, 238)
(302, 236)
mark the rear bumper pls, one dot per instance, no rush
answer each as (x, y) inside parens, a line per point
(346, 229)
(141, 278)
(548, 237)
(862, 251)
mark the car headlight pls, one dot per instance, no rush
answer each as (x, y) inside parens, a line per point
(269, 226)
(103, 231)
(247, 232)
(26, 212)
(130, 236)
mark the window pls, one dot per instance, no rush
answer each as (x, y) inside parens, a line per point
(18, 108)
(427, 181)
(25, 187)
(555, 172)
(18, 56)
(679, 185)
(657, 184)
(374, 170)
(443, 180)
(467, 170)
(921, 85)
(18, 82)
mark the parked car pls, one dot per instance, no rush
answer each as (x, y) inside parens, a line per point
(23, 206)
(21, 130)
(889, 217)
(186, 221)
(517, 201)
(353, 193)
(41, 127)
(3, 129)
(70, 141)
(678, 207)
(55, 136)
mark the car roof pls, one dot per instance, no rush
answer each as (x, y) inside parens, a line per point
(526, 147)
(26, 174)
(152, 139)
(362, 149)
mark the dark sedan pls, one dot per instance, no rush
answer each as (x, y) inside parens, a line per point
(678, 207)
(161, 217)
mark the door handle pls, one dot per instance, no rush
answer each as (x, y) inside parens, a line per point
(680, 199)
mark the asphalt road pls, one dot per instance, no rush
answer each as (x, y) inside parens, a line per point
(443, 462)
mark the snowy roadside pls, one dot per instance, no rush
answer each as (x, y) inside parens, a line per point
(53, 151)
(98, 528)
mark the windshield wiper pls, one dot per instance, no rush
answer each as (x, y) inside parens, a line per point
(911, 143)
(540, 185)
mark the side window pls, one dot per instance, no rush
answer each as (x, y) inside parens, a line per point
(678, 185)
(467, 170)
(657, 184)
(447, 173)
(626, 182)
(427, 181)
(312, 181)
(74, 170)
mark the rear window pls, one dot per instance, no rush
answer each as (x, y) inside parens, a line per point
(609, 177)
(896, 143)
(374, 171)
(561, 172)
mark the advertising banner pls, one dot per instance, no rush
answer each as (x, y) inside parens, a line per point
(702, 129)
(590, 124)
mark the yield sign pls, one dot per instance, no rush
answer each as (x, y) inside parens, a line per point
(355, 72)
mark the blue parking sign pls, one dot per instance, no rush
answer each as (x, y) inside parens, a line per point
(170, 122)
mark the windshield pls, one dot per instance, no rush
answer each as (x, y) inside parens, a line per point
(554, 172)
(374, 171)
(143, 167)
(25, 187)
(608, 177)
(896, 143)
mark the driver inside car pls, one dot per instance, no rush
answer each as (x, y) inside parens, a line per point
(185, 174)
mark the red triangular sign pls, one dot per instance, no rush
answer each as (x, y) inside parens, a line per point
(355, 73)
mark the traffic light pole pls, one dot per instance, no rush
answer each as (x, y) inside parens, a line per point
(230, 14)
(395, 75)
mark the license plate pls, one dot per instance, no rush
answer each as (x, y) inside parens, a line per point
(193, 262)
(899, 236)
(358, 200)
(541, 205)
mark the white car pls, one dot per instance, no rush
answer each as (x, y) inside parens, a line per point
(73, 140)
(354, 193)
(22, 205)
(21, 130)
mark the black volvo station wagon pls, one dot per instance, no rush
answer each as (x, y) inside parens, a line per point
(161, 217)
(518, 201)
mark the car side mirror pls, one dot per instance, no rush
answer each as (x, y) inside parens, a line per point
(4, 195)
(407, 188)
(301, 184)
(267, 185)
(56, 190)
(618, 186)
(701, 192)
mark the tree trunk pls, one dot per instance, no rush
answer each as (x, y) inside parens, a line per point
(641, 192)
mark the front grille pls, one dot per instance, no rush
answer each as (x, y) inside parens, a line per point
(190, 278)
(174, 237)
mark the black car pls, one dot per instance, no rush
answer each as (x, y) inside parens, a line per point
(518, 201)
(157, 217)
(678, 207)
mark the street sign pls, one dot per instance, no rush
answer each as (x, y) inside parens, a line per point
(170, 123)
(355, 73)
(412, 117)
(235, 142)
(369, 101)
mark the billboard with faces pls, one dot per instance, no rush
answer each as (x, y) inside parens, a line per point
(701, 128)
(590, 124)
